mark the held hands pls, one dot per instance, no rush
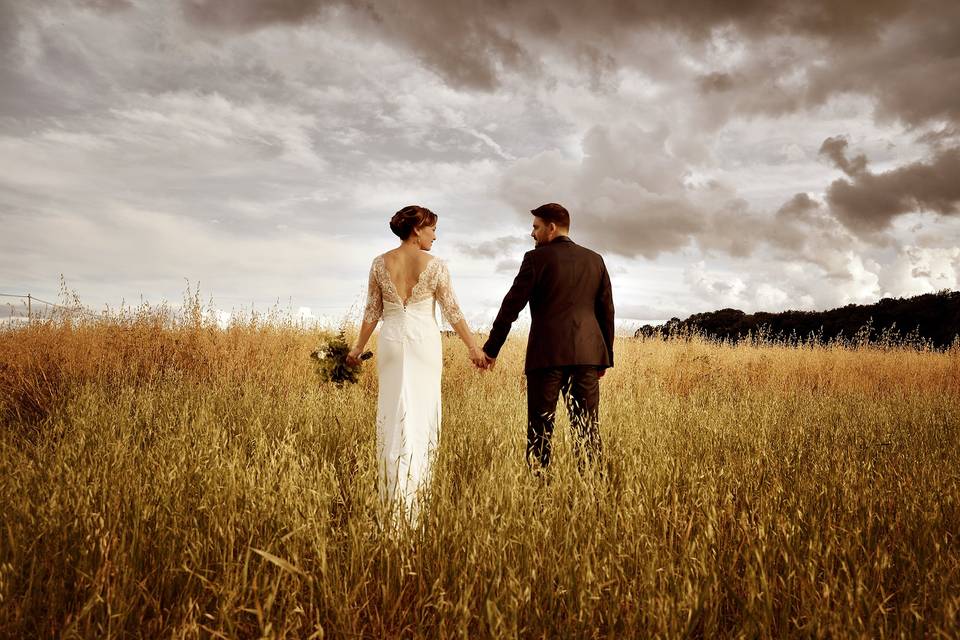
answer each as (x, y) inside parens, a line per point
(481, 360)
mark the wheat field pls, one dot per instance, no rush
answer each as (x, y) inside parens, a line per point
(162, 477)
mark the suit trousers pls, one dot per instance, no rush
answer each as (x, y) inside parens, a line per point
(580, 386)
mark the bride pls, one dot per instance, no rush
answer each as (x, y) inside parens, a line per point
(405, 285)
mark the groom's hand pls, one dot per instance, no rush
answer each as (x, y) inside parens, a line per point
(491, 362)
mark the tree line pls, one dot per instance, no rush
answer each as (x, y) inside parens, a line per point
(930, 319)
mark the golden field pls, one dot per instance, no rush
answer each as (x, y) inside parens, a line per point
(162, 477)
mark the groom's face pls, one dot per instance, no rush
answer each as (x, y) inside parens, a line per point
(542, 232)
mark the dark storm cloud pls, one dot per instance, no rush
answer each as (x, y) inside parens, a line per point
(803, 229)
(468, 50)
(945, 136)
(474, 49)
(913, 73)
(824, 18)
(903, 53)
(245, 15)
(646, 228)
(868, 202)
(835, 148)
(712, 82)
(799, 230)
(798, 207)
(793, 225)
(626, 195)
(473, 44)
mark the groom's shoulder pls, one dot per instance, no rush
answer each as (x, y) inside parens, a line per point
(586, 252)
(595, 255)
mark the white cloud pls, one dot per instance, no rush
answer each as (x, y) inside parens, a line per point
(919, 270)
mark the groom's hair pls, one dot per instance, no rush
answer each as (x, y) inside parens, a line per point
(553, 212)
(409, 218)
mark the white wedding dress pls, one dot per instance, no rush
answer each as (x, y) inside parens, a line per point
(409, 363)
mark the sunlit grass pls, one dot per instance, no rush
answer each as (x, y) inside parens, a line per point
(163, 477)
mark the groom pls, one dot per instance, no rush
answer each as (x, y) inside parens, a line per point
(571, 334)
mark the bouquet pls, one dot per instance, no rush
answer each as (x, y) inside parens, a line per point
(330, 359)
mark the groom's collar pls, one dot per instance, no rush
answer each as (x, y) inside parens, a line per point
(561, 239)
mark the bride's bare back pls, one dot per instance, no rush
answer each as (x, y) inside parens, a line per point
(405, 269)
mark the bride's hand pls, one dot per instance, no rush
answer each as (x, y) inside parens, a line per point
(353, 358)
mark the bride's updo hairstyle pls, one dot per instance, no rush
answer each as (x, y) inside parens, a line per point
(409, 218)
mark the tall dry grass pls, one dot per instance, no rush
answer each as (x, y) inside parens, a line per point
(162, 477)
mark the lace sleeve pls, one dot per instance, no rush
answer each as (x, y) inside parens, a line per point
(446, 297)
(374, 307)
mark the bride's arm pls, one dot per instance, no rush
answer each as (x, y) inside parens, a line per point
(371, 316)
(366, 330)
(463, 330)
(451, 311)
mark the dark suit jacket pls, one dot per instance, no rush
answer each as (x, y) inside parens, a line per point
(571, 307)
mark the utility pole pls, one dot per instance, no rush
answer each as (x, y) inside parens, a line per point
(29, 308)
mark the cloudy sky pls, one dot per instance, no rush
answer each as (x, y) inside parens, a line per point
(761, 155)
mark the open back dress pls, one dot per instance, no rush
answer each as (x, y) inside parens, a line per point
(409, 364)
